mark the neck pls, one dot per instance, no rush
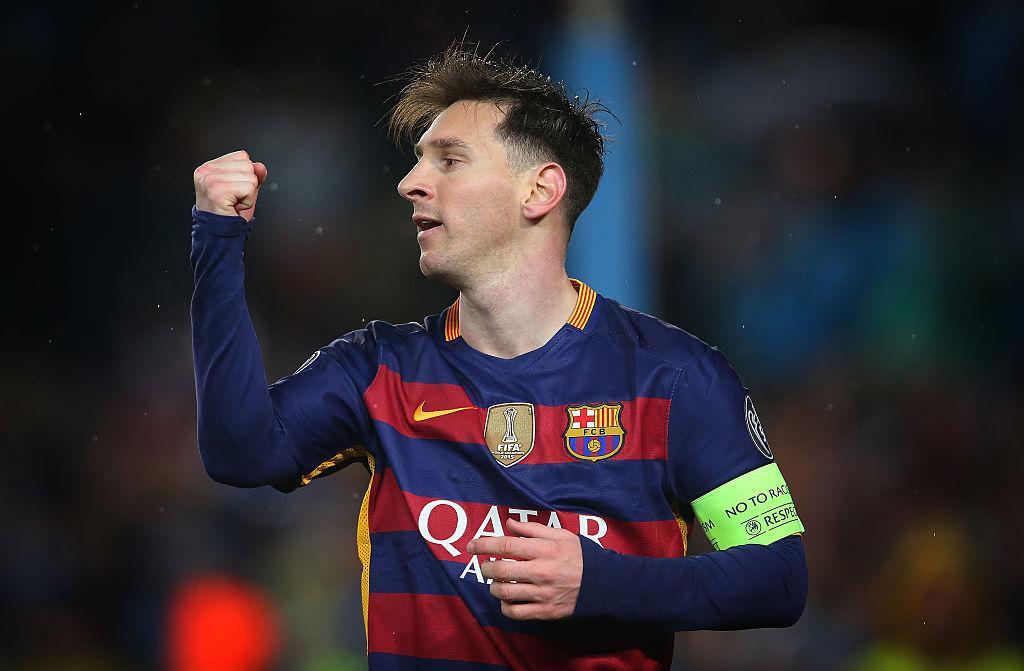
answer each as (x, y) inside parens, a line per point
(508, 314)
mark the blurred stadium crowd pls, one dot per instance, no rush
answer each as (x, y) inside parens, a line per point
(832, 198)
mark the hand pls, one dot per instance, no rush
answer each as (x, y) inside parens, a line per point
(547, 573)
(229, 185)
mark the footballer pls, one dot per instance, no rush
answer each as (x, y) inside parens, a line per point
(539, 453)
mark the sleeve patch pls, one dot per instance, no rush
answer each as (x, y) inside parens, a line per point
(755, 508)
(755, 429)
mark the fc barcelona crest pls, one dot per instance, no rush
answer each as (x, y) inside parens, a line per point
(509, 432)
(594, 432)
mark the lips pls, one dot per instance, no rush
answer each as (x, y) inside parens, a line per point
(425, 223)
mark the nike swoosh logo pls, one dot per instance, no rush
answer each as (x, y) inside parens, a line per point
(420, 414)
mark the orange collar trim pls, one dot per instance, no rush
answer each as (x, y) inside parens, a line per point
(451, 322)
(579, 317)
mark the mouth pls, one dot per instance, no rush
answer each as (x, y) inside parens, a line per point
(425, 223)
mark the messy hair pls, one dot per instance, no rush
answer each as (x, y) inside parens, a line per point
(541, 122)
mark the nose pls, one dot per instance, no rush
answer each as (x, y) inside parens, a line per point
(414, 186)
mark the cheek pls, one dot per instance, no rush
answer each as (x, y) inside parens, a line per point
(481, 209)
(478, 190)
(494, 201)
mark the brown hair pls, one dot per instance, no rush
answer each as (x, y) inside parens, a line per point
(541, 123)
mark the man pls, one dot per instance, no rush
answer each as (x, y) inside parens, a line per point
(538, 452)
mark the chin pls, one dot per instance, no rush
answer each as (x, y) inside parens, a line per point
(435, 269)
(430, 267)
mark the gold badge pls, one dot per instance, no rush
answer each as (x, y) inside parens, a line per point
(509, 432)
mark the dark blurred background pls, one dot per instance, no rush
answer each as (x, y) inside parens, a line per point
(829, 192)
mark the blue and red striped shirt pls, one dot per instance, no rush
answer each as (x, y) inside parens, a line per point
(609, 430)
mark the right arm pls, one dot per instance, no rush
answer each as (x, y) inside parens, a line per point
(249, 434)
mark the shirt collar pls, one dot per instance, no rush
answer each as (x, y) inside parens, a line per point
(585, 301)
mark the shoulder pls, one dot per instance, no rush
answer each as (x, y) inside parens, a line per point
(651, 336)
(387, 332)
(376, 335)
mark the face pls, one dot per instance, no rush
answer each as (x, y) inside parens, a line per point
(465, 198)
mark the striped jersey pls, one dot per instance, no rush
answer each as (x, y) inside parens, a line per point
(610, 430)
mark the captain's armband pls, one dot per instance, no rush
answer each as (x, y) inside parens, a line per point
(754, 508)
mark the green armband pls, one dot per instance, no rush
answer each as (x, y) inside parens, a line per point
(754, 508)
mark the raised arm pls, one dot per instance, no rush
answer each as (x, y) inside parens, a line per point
(237, 440)
(249, 434)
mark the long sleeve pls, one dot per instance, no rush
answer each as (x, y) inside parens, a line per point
(742, 587)
(237, 438)
(722, 473)
(249, 434)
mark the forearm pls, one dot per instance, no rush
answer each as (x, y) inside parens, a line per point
(744, 587)
(238, 439)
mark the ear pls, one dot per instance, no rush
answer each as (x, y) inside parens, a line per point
(546, 191)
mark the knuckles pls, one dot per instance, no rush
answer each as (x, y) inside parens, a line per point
(501, 570)
(496, 570)
(512, 611)
(210, 182)
(543, 572)
(210, 168)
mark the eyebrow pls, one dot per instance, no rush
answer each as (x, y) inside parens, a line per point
(440, 143)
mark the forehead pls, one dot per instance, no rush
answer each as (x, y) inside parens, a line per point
(469, 122)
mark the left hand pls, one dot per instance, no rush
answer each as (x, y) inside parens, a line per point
(547, 573)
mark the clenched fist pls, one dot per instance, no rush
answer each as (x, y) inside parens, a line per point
(229, 185)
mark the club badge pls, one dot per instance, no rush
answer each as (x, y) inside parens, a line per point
(594, 432)
(509, 432)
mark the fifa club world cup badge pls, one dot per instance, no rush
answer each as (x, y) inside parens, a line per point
(594, 432)
(509, 432)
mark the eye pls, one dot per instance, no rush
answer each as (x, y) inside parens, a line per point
(449, 162)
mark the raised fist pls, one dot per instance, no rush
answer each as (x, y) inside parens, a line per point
(229, 185)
